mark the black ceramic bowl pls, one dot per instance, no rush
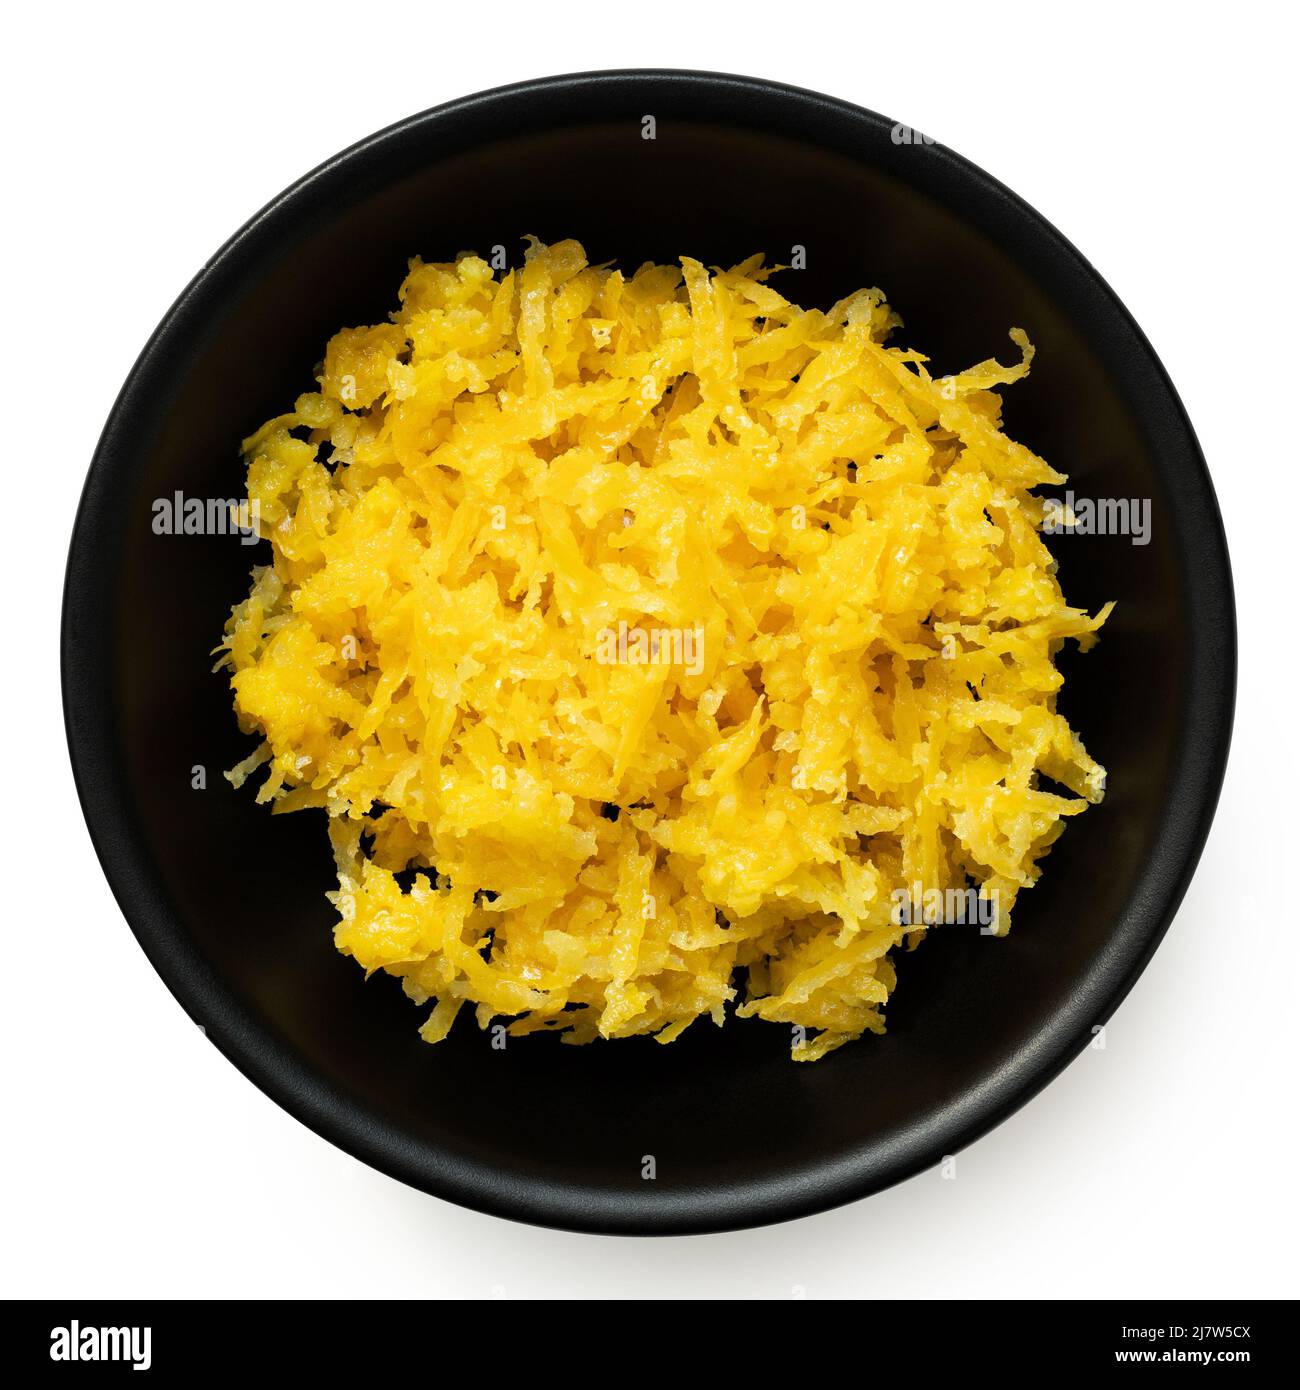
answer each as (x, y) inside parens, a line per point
(228, 902)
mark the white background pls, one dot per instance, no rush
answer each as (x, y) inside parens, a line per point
(136, 1161)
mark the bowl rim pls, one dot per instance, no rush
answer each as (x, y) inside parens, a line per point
(86, 645)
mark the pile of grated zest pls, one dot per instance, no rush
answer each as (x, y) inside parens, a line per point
(648, 640)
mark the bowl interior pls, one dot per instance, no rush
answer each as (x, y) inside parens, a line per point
(229, 900)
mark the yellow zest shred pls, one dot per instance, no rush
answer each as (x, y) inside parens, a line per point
(637, 632)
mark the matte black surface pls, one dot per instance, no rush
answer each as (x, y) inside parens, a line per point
(227, 900)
